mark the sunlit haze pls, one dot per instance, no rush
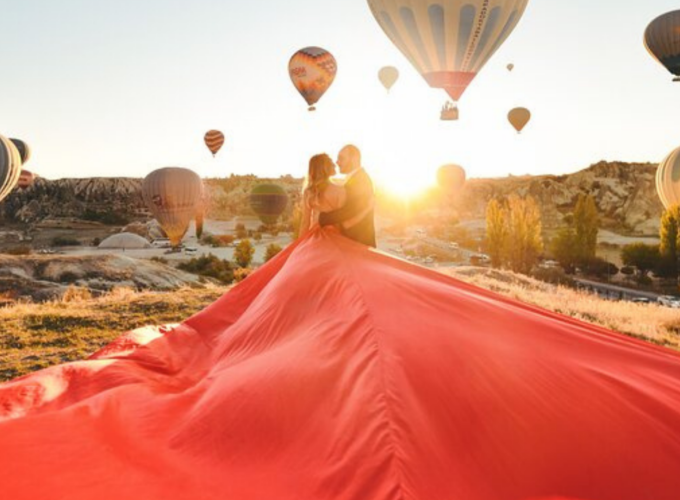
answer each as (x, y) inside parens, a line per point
(120, 88)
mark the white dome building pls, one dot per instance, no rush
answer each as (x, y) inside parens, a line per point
(125, 241)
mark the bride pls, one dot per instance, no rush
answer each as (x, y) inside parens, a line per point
(319, 193)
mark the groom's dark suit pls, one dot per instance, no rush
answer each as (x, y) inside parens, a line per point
(360, 194)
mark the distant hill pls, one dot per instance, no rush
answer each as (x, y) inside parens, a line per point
(625, 195)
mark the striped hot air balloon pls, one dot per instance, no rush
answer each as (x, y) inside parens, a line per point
(662, 39)
(312, 71)
(174, 196)
(10, 167)
(448, 41)
(214, 139)
(668, 179)
(518, 118)
(23, 148)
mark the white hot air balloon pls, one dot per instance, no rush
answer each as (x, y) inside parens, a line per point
(668, 179)
(388, 76)
(450, 41)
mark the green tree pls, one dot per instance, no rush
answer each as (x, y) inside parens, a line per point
(670, 240)
(643, 257)
(244, 253)
(586, 226)
(496, 232)
(525, 241)
(564, 248)
(272, 250)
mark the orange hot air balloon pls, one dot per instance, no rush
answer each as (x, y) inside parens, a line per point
(388, 76)
(10, 166)
(312, 71)
(174, 196)
(451, 178)
(518, 118)
(214, 139)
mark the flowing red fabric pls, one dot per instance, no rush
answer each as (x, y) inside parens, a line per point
(336, 372)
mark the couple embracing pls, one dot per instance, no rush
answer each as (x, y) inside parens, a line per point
(347, 206)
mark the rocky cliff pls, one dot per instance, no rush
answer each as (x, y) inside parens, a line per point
(625, 194)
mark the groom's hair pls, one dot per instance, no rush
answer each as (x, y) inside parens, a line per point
(353, 153)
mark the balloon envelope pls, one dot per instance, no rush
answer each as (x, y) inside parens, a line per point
(312, 71)
(26, 179)
(214, 139)
(511, 67)
(174, 196)
(10, 167)
(662, 39)
(388, 76)
(451, 178)
(23, 148)
(268, 201)
(668, 179)
(448, 42)
(519, 117)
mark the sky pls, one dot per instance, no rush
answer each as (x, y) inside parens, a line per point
(122, 87)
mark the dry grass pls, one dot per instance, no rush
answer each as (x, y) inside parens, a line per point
(650, 322)
(34, 336)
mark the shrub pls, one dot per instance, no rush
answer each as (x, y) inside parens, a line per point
(554, 275)
(62, 241)
(242, 273)
(599, 267)
(20, 250)
(109, 218)
(76, 294)
(160, 260)
(244, 253)
(272, 250)
(210, 266)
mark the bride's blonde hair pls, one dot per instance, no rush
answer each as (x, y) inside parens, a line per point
(321, 168)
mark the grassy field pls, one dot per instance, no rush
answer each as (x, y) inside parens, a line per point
(34, 336)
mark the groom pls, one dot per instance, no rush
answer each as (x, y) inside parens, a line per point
(355, 218)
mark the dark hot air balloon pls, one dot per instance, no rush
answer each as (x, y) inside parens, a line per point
(23, 148)
(268, 201)
(662, 39)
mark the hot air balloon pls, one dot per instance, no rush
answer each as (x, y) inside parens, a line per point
(448, 42)
(10, 166)
(662, 39)
(511, 67)
(214, 139)
(268, 201)
(451, 178)
(23, 148)
(668, 180)
(388, 76)
(26, 179)
(174, 196)
(519, 117)
(312, 71)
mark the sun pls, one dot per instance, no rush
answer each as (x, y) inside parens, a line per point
(405, 187)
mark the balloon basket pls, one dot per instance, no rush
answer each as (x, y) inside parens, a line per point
(311, 108)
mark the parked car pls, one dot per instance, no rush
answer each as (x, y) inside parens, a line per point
(642, 300)
(190, 250)
(669, 301)
(453, 246)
